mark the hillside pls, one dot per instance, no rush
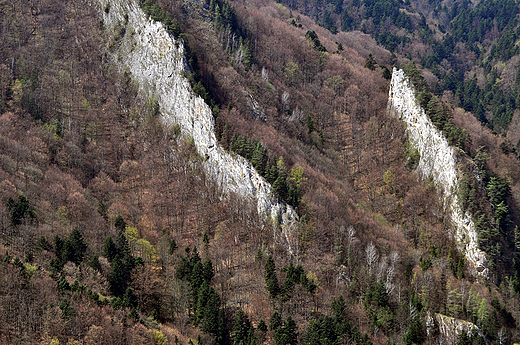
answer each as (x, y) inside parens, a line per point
(113, 229)
(469, 48)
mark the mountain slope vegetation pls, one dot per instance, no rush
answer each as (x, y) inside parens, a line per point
(110, 231)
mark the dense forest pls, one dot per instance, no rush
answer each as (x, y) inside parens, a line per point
(469, 47)
(112, 233)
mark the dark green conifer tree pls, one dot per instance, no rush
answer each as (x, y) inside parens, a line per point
(211, 322)
(199, 305)
(275, 321)
(286, 335)
(207, 270)
(61, 254)
(76, 247)
(110, 249)
(20, 209)
(243, 331)
(119, 277)
(120, 223)
(173, 247)
(270, 277)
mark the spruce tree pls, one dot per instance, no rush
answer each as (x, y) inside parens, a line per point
(270, 277)
(119, 277)
(94, 263)
(310, 124)
(196, 278)
(199, 305)
(173, 247)
(287, 334)
(129, 298)
(257, 158)
(275, 321)
(242, 333)
(61, 254)
(211, 322)
(76, 247)
(110, 249)
(233, 143)
(207, 270)
(122, 246)
(280, 185)
(20, 209)
(120, 223)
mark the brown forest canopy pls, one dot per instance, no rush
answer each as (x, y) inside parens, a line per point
(110, 231)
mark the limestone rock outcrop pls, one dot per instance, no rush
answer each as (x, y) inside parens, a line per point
(446, 329)
(157, 62)
(438, 160)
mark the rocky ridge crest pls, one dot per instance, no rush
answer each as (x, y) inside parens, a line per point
(157, 62)
(439, 160)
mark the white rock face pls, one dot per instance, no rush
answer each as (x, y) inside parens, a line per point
(438, 160)
(157, 62)
(448, 328)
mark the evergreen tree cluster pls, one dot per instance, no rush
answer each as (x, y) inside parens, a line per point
(335, 15)
(271, 279)
(470, 24)
(235, 40)
(121, 264)
(285, 333)
(488, 101)
(243, 332)
(484, 196)
(415, 334)
(225, 15)
(287, 185)
(19, 209)
(323, 329)
(437, 111)
(331, 330)
(328, 23)
(293, 275)
(71, 249)
(312, 37)
(383, 11)
(377, 306)
(205, 302)
(380, 10)
(390, 40)
(154, 10)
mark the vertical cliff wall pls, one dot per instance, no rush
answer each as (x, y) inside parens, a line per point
(157, 62)
(438, 160)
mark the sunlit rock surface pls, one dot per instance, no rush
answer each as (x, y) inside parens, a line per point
(446, 329)
(438, 160)
(157, 62)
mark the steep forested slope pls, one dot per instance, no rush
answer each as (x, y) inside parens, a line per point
(111, 232)
(469, 46)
